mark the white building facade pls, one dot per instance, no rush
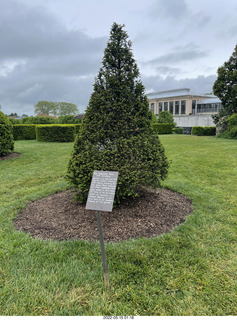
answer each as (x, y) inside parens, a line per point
(188, 109)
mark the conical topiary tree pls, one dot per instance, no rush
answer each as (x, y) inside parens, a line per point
(116, 131)
(6, 135)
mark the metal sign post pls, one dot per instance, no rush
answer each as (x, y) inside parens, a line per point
(101, 198)
(102, 248)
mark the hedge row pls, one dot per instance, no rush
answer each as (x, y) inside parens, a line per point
(24, 132)
(162, 128)
(67, 132)
(203, 131)
(58, 132)
(178, 130)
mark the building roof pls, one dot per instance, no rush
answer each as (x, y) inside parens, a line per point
(79, 116)
(210, 100)
(175, 93)
(45, 115)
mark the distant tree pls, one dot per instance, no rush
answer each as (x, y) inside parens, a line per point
(24, 115)
(47, 107)
(166, 117)
(225, 87)
(116, 130)
(13, 114)
(56, 108)
(66, 108)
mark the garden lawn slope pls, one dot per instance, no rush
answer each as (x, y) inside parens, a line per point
(190, 271)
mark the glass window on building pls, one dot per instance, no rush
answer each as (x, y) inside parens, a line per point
(193, 106)
(171, 107)
(199, 108)
(165, 106)
(153, 107)
(176, 107)
(160, 107)
(183, 107)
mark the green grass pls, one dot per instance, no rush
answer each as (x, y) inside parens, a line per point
(190, 271)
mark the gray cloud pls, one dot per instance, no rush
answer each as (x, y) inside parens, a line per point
(175, 10)
(179, 54)
(50, 51)
(200, 84)
(41, 60)
(166, 70)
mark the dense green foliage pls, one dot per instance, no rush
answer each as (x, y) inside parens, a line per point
(178, 130)
(116, 130)
(225, 87)
(232, 120)
(6, 135)
(230, 131)
(24, 132)
(190, 271)
(203, 131)
(166, 117)
(15, 121)
(162, 128)
(56, 133)
(39, 120)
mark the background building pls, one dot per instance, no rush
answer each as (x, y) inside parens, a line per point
(188, 109)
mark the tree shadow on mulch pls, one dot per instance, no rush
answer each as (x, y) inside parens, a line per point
(10, 156)
(59, 217)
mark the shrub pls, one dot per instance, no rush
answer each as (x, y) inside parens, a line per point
(233, 133)
(39, 120)
(203, 131)
(166, 117)
(178, 130)
(230, 128)
(6, 135)
(162, 128)
(24, 131)
(116, 130)
(232, 120)
(14, 121)
(55, 133)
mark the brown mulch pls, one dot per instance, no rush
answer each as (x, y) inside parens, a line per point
(10, 156)
(59, 217)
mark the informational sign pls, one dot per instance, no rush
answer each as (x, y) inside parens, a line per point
(102, 191)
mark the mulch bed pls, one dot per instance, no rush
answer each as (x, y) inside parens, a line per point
(59, 217)
(10, 156)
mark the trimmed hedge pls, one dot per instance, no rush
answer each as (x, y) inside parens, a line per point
(162, 128)
(56, 133)
(178, 130)
(39, 120)
(6, 136)
(203, 131)
(24, 131)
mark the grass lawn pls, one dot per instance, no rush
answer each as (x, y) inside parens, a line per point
(190, 271)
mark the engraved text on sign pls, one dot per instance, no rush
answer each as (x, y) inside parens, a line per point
(102, 190)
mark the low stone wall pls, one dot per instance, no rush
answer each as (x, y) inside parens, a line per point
(203, 120)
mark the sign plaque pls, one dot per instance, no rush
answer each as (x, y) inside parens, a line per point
(101, 198)
(102, 191)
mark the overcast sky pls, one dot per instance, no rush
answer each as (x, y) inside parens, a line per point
(52, 49)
